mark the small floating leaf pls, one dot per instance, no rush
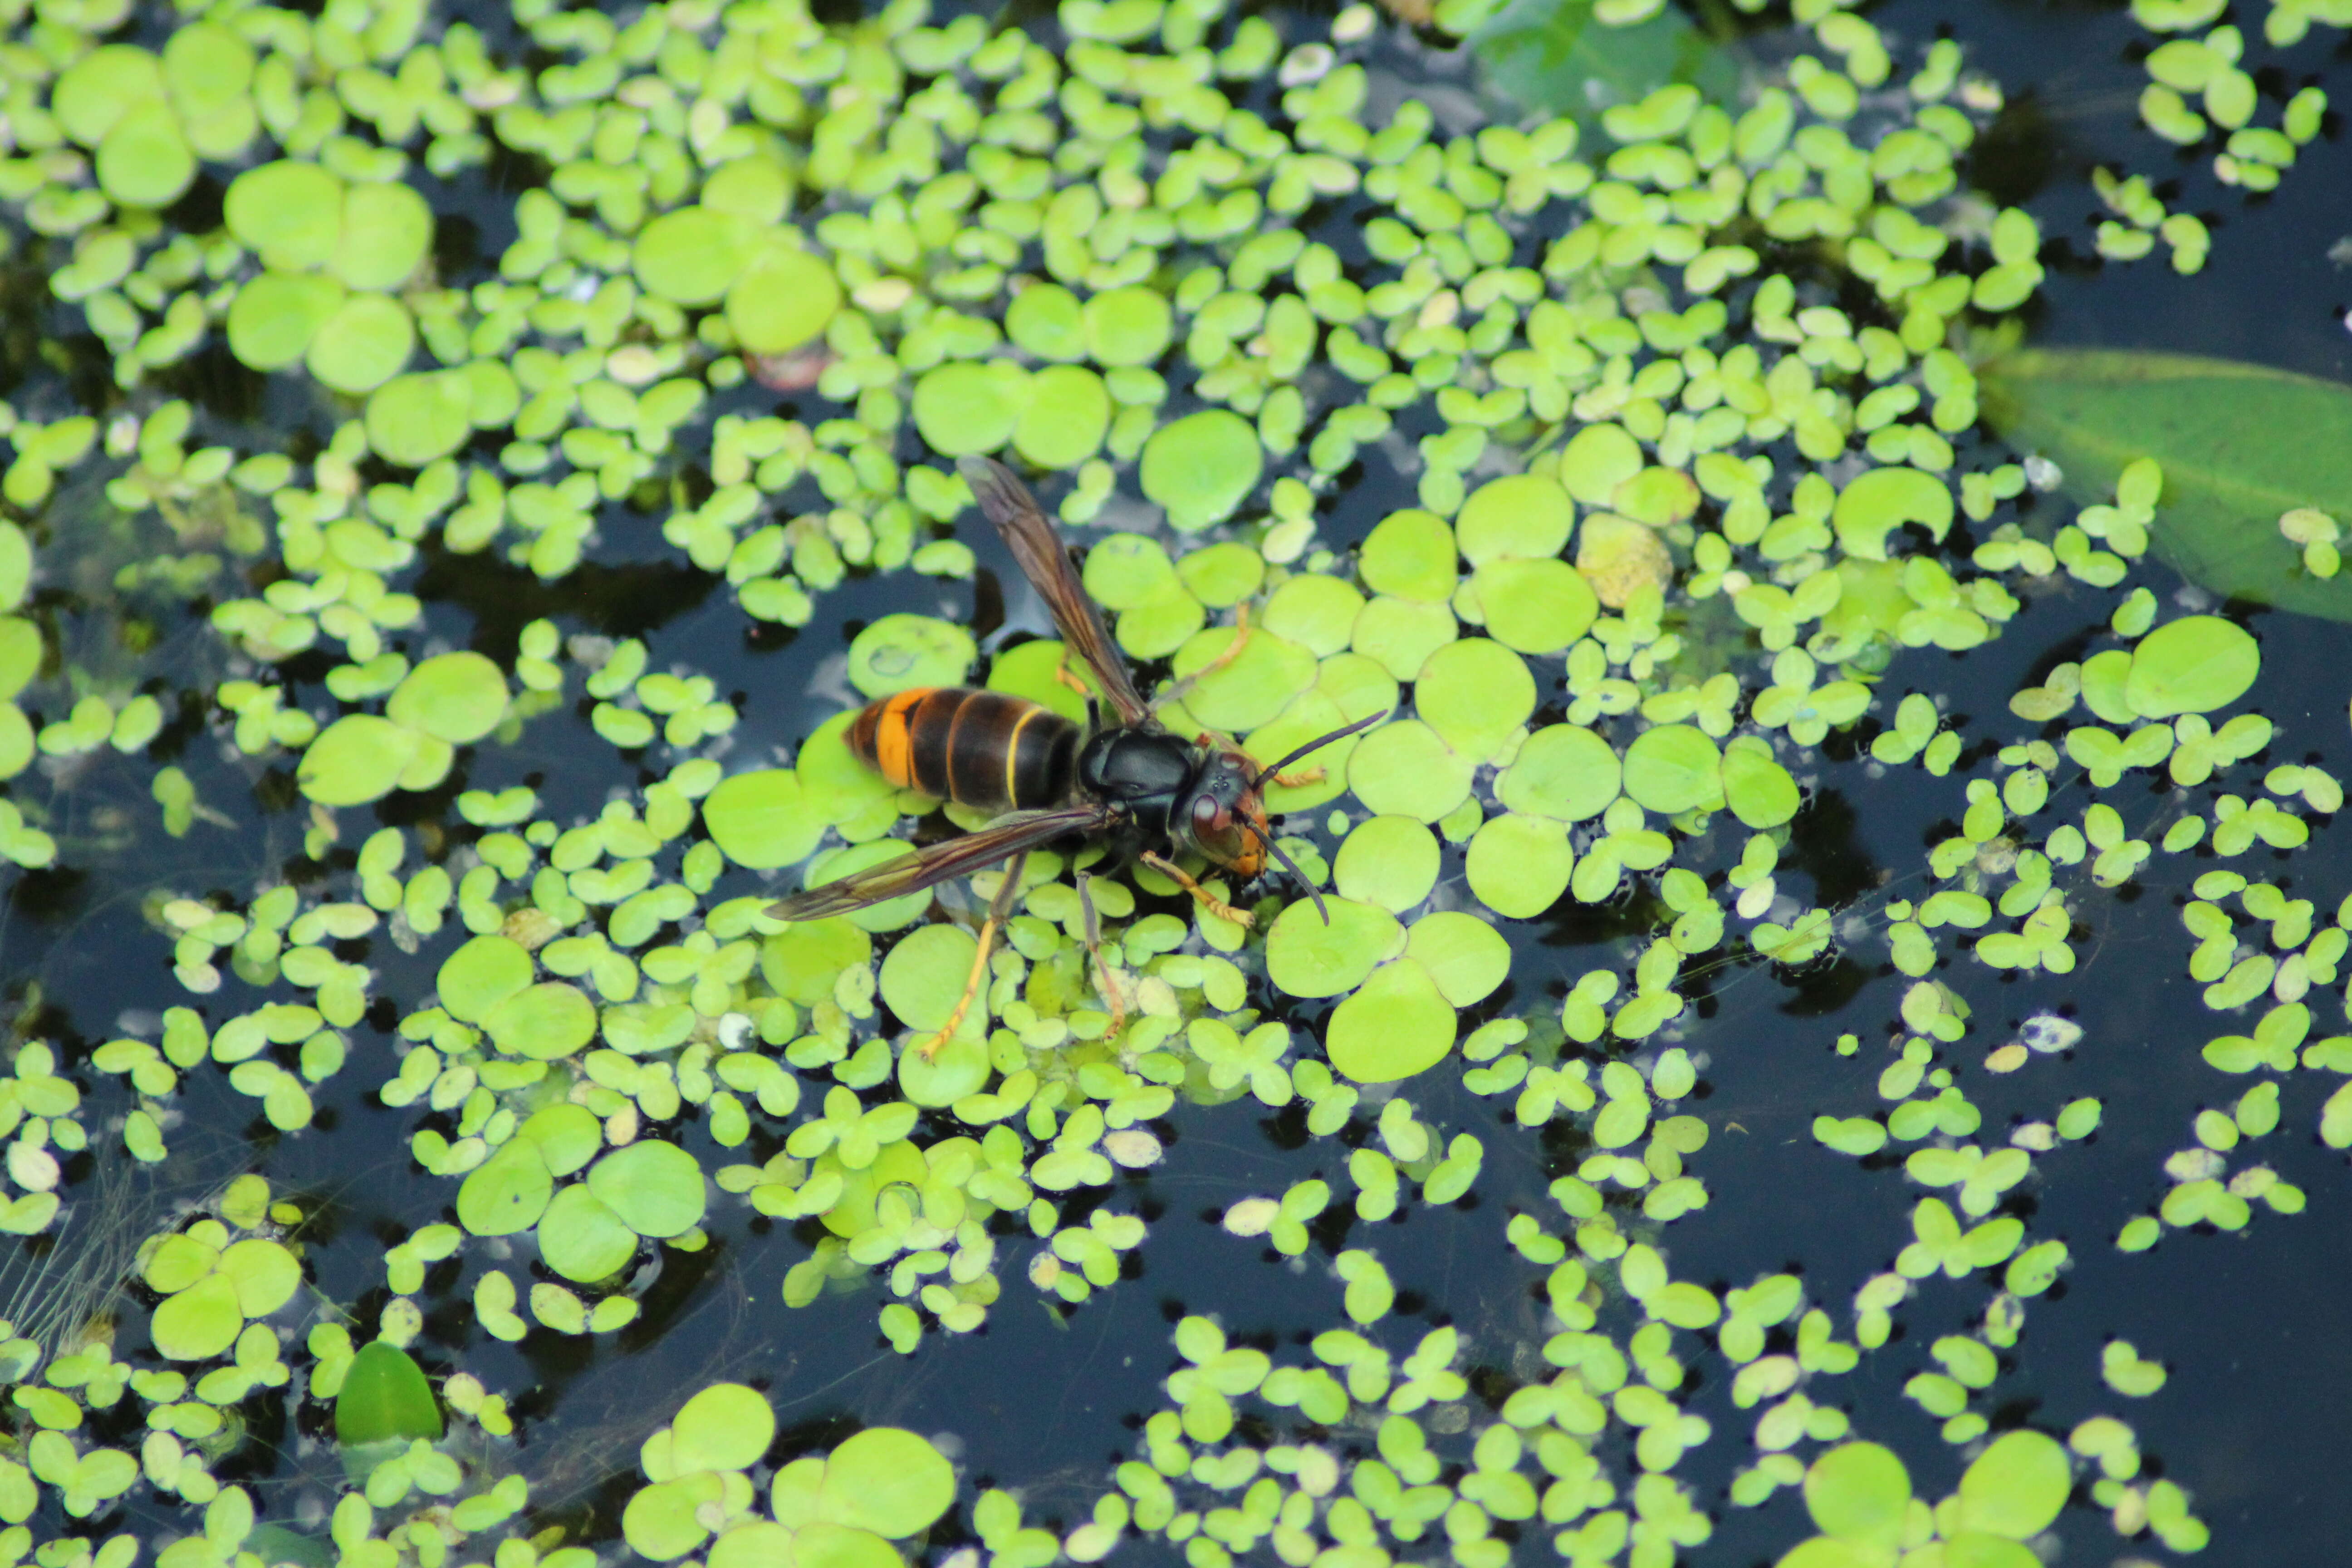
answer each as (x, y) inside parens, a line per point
(2016, 1487)
(655, 1188)
(1397, 1023)
(901, 651)
(385, 1396)
(783, 298)
(455, 697)
(2193, 665)
(582, 1238)
(1859, 1492)
(763, 818)
(1306, 957)
(356, 759)
(727, 1427)
(691, 255)
(1201, 467)
(888, 1480)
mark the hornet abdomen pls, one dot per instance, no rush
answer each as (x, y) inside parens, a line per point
(979, 749)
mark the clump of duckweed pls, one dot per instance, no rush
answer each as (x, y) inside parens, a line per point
(1674, 514)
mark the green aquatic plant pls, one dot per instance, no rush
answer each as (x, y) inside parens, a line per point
(1677, 512)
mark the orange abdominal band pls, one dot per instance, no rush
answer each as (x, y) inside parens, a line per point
(894, 749)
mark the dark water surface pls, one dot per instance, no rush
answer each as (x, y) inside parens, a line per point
(2256, 1327)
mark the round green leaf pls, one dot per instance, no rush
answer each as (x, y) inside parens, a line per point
(1859, 1492)
(1597, 460)
(356, 759)
(898, 652)
(1127, 571)
(763, 819)
(1410, 555)
(1465, 956)
(663, 1522)
(547, 1022)
(1476, 693)
(1395, 1025)
(1067, 417)
(1045, 320)
(1222, 575)
(1759, 790)
(1202, 466)
(655, 1188)
(208, 67)
(101, 86)
(455, 697)
(1249, 688)
(1405, 769)
(1390, 862)
(923, 977)
(178, 1261)
(1305, 957)
(482, 973)
(2193, 665)
(1520, 517)
(419, 418)
(263, 1274)
(1519, 865)
(1828, 1551)
(387, 229)
(826, 1545)
(1402, 634)
(385, 1397)
(273, 318)
(16, 741)
(1880, 501)
(200, 1322)
(801, 962)
(507, 1193)
(568, 1136)
(15, 569)
(1317, 612)
(727, 1427)
(582, 1239)
(289, 213)
(145, 161)
(1562, 770)
(1535, 606)
(755, 187)
(959, 1067)
(1307, 719)
(966, 406)
(1975, 1549)
(2016, 1487)
(1128, 325)
(888, 1480)
(361, 345)
(691, 255)
(785, 297)
(756, 1542)
(1674, 768)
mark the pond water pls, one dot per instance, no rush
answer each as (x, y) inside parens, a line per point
(1826, 1048)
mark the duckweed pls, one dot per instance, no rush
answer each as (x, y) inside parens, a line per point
(1668, 530)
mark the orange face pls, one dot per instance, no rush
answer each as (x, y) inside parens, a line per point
(1212, 818)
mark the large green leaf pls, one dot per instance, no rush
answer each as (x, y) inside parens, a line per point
(1550, 55)
(385, 1396)
(2240, 444)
